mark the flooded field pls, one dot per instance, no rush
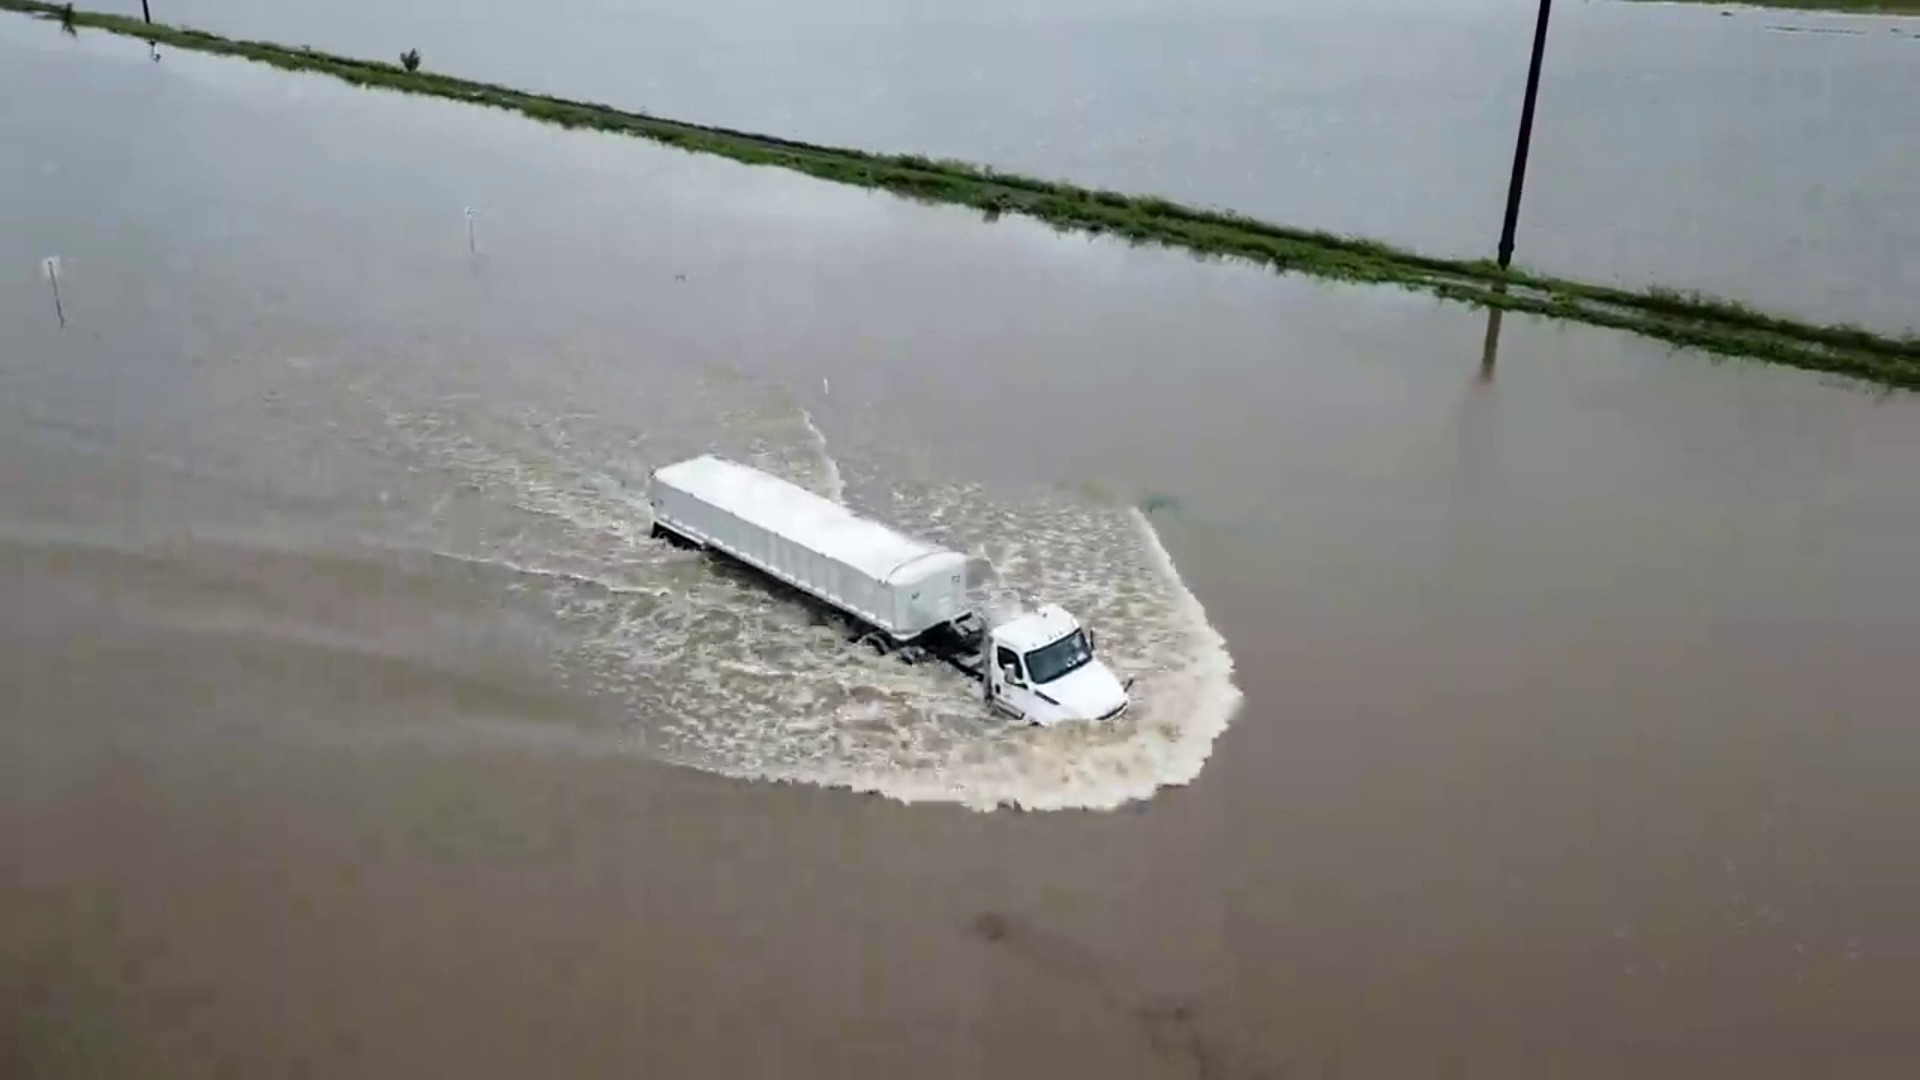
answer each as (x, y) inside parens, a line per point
(1766, 154)
(1552, 722)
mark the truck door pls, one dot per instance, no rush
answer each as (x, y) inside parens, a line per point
(1007, 681)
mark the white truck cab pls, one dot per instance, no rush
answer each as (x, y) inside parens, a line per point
(1040, 667)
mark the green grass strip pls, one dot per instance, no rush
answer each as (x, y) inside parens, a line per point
(1861, 7)
(1689, 320)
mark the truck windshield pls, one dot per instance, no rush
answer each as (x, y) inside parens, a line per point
(1069, 653)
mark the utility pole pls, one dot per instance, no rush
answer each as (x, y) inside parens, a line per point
(1490, 347)
(145, 13)
(1526, 136)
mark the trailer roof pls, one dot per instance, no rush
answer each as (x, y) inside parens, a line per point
(797, 514)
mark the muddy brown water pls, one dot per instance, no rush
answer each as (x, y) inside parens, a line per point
(1561, 724)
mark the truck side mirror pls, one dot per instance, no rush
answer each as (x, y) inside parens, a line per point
(1011, 674)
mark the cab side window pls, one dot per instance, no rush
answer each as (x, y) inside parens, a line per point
(1009, 662)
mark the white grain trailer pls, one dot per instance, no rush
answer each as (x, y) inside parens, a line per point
(891, 582)
(900, 590)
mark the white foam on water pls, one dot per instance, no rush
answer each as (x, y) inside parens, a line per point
(836, 486)
(1207, 678)
(713, 669)
(765, 691)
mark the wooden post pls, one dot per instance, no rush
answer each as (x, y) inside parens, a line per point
(1526, 136)
(51, 267)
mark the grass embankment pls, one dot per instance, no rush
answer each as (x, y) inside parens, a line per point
(1717, 326)
(1862, 7)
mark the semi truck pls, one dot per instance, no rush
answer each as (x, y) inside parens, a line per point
(901, 595)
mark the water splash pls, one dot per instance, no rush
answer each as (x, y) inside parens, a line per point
(836, 485)
(711, 668)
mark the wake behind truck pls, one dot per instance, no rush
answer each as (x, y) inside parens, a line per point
(903, 595)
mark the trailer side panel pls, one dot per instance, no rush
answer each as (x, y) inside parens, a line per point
(883, 578)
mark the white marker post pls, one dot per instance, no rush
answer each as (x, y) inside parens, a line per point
(50, 266)
(472, 245)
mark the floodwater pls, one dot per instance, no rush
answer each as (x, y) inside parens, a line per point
(1558, 724)
(1763, 154)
